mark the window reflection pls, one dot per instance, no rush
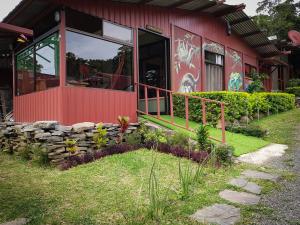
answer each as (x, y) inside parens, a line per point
(25, 74)
(117, 32)
(47, 63)
(92, 62)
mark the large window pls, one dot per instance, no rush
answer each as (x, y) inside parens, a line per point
(97, 63)
(38, 66)
(214, 71)
(25, 72)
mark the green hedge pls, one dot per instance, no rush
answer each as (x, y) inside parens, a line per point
(294, 90)
(239, 104)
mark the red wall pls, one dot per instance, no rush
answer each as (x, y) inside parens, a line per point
(70, 105)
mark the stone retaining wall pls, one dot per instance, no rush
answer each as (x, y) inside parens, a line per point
(52, 136)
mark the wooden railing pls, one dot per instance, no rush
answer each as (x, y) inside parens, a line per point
(170, 94)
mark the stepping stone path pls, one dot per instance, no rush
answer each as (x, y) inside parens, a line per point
(223, 214)
(220, 214)
(239, 197)
(20, 221)
(259, 175)
(246, 185)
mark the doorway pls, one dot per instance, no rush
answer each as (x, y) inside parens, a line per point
(154, 69)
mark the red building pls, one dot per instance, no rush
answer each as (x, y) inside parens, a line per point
(86, 59)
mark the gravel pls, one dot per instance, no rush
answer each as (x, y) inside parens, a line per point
(285, 202)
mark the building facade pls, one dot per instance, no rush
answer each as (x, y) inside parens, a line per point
(87, 59)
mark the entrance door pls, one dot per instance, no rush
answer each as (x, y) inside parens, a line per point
(154, 62)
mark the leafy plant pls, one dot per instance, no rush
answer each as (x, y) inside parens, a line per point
(250, 130)
(224, 153)
(71, 145)
(26, 152)
(293, 83)
(179, 139)
(185, 179)
(135, 138)
(124, 124)
(40, 155)
(203, 137)
(100, 137)
(156, 204)
(157, 136)
(293, 90)
(257, 84)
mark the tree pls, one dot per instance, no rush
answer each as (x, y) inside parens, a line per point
(277, 17)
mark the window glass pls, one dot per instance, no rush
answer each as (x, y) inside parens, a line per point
(24, 70)
(83, 22)
(214, 58)
(97, 63)
(47, 63)
(117, 32)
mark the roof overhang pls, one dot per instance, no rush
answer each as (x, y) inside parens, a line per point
(29, 11)
(8, 35)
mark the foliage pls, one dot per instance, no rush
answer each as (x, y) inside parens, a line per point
(40, 155)
(285, 13)
(185, 179)
(203, 137)
(100, 137)
(135, 138)
(124, 124)
(293, 83)
(257, 84)
(25, 152)
(238, 104)
(156, 204)
(179, 139)
(224, 153)
(71, 145)
(293, 90)
(157, 136)
(250, 130)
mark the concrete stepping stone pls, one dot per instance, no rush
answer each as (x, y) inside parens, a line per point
(220, 214)
(19, 221)
(260, 175)
(246, 185)
(263, 155)
(239, 197)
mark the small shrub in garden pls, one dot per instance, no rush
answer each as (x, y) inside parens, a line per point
(100, 137)
(293, 83)
(71, 145)
(224, 153)
(26, 152)
(178, 139)
(250, 130)
(135, 138)
(293, 90)
(203, 138)
(157, 136)
(40, 155)
(124, 124)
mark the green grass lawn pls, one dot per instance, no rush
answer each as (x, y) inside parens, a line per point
(113, 190)
(281, 127)
(242, 144)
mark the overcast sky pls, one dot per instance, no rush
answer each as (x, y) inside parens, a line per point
(7, 5)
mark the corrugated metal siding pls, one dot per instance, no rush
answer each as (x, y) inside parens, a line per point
(38, 106)
(97, 105)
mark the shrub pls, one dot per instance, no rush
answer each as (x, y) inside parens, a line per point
(294, 90)
(250, 130)
(178, 139)
(293, 83)
(124, 124)
(135, 138)
(224, 153)
(238, 104)
(26, 152)
(203, 138)
(71, 145)
(40, 155)
(100, 136)
(157, 136)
